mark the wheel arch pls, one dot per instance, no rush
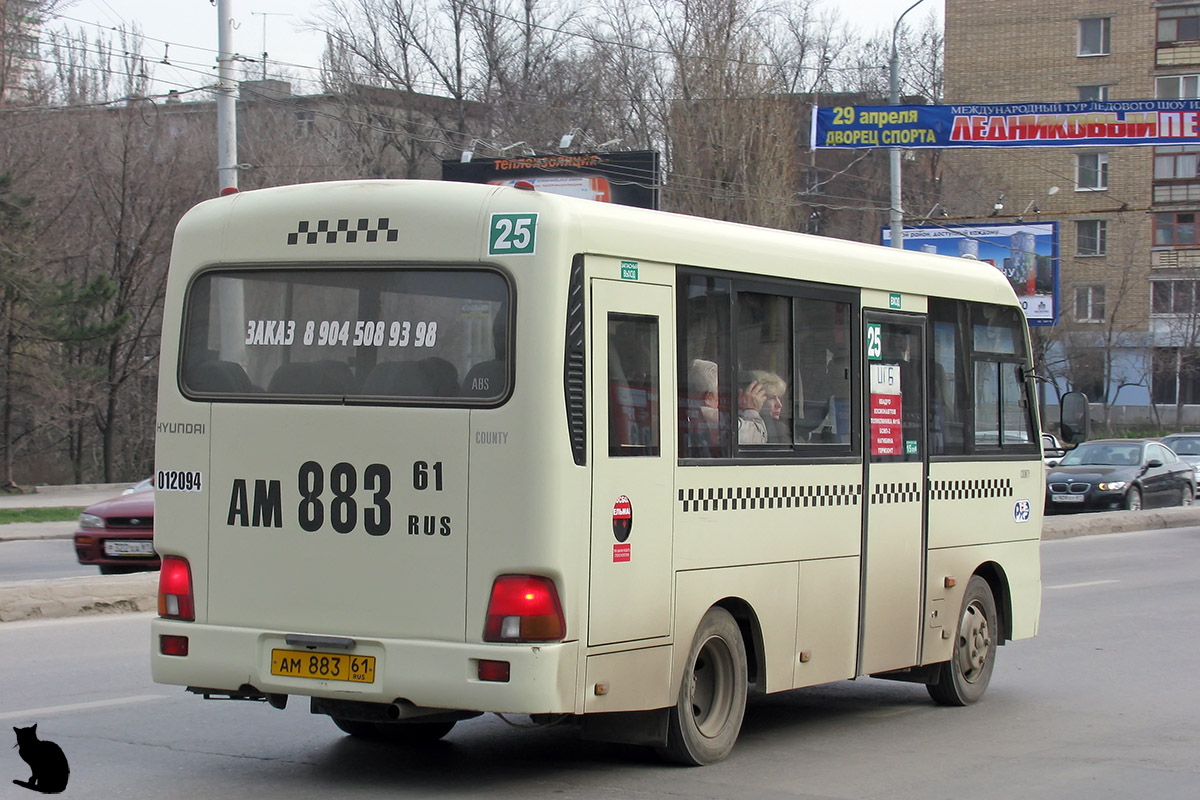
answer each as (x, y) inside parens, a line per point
(746, 618)
(997, 581)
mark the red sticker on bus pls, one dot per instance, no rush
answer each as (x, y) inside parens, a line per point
(621, 552)
(622, 519)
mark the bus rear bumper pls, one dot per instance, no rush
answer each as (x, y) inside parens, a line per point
(424, 673)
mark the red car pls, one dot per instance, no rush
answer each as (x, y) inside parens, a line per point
(117, 535)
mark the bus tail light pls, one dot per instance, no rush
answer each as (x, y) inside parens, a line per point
(173, 645)
(524, 608)
(175, 598)
(494, 671)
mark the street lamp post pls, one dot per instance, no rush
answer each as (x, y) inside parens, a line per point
(897, 214)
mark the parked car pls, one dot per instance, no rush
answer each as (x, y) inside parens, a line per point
(1119, 473)
(1187, 447)
(117, 535)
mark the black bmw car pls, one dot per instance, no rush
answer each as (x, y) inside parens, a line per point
(1119, 473)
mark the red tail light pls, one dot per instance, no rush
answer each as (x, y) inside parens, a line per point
(175, 598)
(524, 608)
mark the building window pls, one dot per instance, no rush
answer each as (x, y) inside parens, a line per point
(1094, 93)
(1094, 36)
(1091, 237)
(1087, 373)
(1177, 87)
(1089, 304)
(1179, 25)
(1091, 172)
(1175, 376)
(1177, 163)
(1172, 297)
(1177, 229)
(305, 123)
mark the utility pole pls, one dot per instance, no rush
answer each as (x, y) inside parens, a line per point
(227, 177)
(897, 213)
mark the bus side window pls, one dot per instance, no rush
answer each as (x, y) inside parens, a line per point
(704, 390)
(633, 386)
(822, 347)
(949, 378)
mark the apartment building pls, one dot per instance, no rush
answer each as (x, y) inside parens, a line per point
(20, 27)
(1128, 218)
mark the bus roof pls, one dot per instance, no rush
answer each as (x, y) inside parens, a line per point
(447, 221)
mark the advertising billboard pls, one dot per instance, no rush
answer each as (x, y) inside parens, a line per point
(629, 179)
(1107, 123)
(1027, 254)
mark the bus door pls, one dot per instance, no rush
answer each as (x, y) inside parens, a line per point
(632, 371)
(893, 548)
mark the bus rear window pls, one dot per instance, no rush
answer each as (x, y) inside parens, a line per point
(419, 335)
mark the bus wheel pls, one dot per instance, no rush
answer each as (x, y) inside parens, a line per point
(705, 721)
(964, 678)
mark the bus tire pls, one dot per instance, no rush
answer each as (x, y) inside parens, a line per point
(704, 723)
(964, 678)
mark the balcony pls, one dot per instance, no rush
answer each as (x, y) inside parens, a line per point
(1177, 54)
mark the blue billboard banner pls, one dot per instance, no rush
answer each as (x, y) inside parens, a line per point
(1027, 254)
(1115, 123)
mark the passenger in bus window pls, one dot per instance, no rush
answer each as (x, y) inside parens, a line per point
(752, 429)
(703, 412)
(778, 425)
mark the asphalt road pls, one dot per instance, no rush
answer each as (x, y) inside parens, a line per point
(29, 559)
(1100, 705)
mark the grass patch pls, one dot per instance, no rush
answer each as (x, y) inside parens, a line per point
(63, 514)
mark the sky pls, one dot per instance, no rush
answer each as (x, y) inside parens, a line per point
(183, 33)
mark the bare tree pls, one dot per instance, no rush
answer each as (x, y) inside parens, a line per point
(116, 174)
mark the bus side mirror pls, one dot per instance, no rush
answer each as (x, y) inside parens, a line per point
(1075, 419)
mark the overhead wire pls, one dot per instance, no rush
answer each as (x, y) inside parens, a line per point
(711, 187)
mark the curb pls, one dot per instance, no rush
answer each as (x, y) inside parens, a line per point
(71, 597)
(1070, 526)
(27, 531)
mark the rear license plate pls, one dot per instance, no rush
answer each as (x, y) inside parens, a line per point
(1067, 498)
(118, 547)
(323, 666)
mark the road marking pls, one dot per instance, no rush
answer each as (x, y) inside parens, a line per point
(1080, 585)
(38, 713)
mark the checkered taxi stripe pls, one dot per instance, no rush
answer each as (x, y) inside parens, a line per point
(326, 231)
(751, 497)
(970, 489)
(742, 498)
(893, 493)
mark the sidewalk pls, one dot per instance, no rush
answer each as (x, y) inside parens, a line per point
(84, 494)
